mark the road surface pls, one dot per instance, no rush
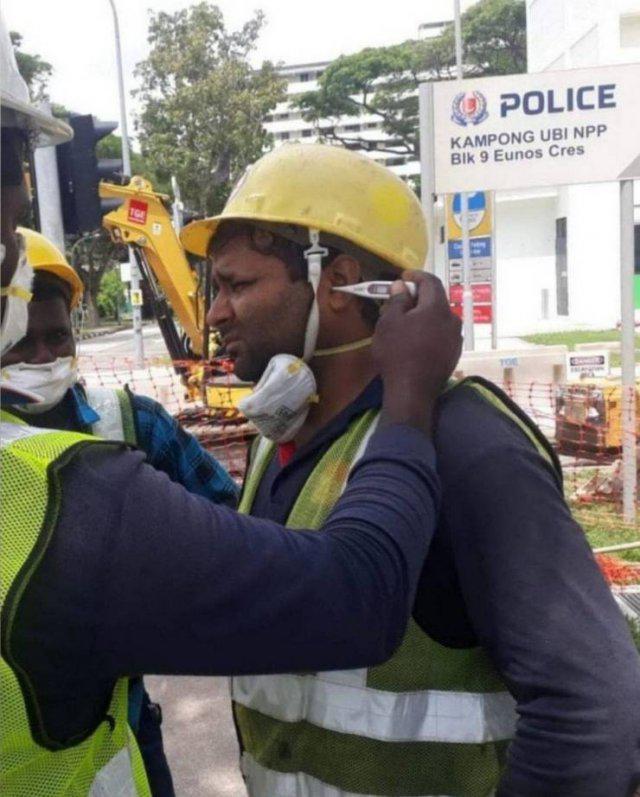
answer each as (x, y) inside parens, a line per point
(120, 345)
(199, 737)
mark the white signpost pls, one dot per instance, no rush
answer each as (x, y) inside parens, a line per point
(546, 128)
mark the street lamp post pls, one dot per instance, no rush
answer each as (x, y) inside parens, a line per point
(126, 165)
(467, 295)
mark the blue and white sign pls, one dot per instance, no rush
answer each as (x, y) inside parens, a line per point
(480, 247)
(477, 205)
(545, 128)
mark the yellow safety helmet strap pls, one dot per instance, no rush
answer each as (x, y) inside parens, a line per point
(17, 291)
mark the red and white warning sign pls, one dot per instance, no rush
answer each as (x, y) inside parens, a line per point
(481, 302)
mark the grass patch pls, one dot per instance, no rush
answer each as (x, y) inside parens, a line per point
(603, 526)
(602, 521)
(634, 627)
(572, 337)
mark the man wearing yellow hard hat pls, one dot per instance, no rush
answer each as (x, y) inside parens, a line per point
(515, 673)
(109, 569)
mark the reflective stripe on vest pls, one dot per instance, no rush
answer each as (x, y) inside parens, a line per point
(431, 715)
(431, 720)
(115, 779)
(116, 414)
(262, 782)
(32, 762)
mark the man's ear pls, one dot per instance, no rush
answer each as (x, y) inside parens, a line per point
(343, 270)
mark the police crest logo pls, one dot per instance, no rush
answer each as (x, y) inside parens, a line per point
(469, 108)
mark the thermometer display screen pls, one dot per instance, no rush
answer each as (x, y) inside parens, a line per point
(378, 290)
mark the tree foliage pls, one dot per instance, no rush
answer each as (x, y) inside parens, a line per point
(382, 82)
(92, 256)
(111, 147)
(111, 296)
(203, 105)
(35, 70)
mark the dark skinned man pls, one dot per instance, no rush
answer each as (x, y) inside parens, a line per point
(517, 673)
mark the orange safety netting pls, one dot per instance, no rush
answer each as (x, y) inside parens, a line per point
(180, 388)
(582, 422)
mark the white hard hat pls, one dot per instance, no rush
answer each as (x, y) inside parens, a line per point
(15, 98)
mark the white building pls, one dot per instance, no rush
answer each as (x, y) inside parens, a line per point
(559, 250)
(286, 122)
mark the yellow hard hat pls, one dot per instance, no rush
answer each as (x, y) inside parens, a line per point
(330, 189)
(42, 255)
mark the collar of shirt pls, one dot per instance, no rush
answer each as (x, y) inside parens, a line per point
(84, 412)
(77, 411)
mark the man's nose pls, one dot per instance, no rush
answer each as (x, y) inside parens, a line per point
(220, 310)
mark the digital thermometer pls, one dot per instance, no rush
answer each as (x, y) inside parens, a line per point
(378, 289)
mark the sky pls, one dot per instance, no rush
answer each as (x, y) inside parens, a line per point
(76, 37)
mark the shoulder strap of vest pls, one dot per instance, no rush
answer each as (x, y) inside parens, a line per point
(116, 414)
(8, 417)
(502, 402)
(328, 479)
(262, 450)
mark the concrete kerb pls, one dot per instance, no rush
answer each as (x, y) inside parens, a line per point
(98, 332)
(546, 364)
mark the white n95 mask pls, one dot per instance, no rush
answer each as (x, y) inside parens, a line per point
(15, 317)
(280, 402)
(49, 381)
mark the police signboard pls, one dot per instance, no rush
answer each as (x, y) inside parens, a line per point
(591, 364)
(547, 128)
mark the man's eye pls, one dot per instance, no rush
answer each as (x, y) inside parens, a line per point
(239, 286)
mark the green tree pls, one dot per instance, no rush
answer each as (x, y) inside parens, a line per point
(382, 82)
(35, 71)
(111, 147)
(92, 256)
(203, 105)
(111, 296)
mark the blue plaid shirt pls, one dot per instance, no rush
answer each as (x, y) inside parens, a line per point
(167, 446)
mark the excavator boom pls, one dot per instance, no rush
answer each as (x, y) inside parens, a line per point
(143, 221)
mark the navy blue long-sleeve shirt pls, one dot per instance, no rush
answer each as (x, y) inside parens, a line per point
(141, 576)
(509, 569)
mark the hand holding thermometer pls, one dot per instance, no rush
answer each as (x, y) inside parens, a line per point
(377, 289)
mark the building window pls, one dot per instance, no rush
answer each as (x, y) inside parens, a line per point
(284, 136)
(307, 133)
(636, 248)
(352, 128)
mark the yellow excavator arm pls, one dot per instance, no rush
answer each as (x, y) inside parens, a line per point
(143, 221)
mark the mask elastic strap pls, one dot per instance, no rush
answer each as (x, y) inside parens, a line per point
(313, 256)
(17, 292)
(357, 344)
